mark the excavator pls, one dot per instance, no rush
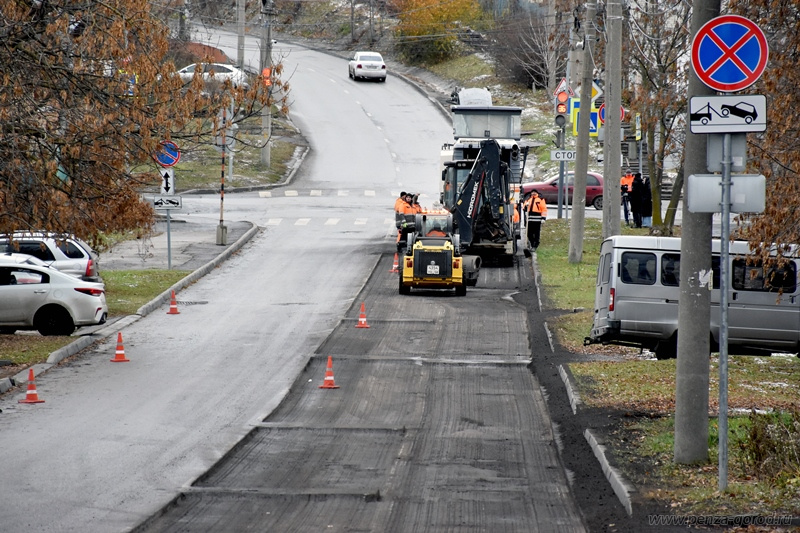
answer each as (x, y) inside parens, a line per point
(477, 192)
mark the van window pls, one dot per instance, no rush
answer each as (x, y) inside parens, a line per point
(638, 268)
(600, 269)
(752, 277)
(607, 269)
(670, 269)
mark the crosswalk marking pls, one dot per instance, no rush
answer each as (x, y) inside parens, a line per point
(328, 221)
(293, 193)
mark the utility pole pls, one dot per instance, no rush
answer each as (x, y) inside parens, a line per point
(266, 68)
(240, 31)
(694, 305)
(576, 229)
(613, 122)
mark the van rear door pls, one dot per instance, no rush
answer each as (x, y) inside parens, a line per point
(602, 292)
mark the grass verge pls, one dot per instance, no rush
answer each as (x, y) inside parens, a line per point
(126, 292)
(763, 400)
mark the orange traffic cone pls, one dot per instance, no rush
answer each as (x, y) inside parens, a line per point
(362, 318)
(31, 396)
(329, 383)
(395, 266)
(119, 357)
(173, 306)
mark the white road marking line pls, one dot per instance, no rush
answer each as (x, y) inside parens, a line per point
(265, 194)
(302, 221)
(274, 221)
(332, 221)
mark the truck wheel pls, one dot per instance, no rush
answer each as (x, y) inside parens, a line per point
(461, 290)
(667, 349)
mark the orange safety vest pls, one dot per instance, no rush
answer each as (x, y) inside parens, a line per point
(536, 205)
(627, 180)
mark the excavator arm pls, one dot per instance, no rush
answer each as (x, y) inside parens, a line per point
(479, 210)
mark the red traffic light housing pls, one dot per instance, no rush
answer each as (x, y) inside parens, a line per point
(561, 108)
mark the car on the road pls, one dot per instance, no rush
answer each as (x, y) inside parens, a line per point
(34, 296)
(548, 189)
(742, 110)
(63, 252)
(218, 72)
(367, 65)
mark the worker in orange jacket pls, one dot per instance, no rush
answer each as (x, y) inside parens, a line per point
(536, 209)
(406, 226)
(626, 186)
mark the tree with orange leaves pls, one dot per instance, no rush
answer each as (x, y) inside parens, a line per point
(84, 98)
(428, 29)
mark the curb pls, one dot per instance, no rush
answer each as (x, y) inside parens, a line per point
(621, 488)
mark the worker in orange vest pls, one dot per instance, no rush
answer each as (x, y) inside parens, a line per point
(536, 208)
(407, 225)
(626, 186)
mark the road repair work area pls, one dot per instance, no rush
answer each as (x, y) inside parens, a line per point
(436, 424)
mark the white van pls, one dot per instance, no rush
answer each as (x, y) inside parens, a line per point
(637, 291)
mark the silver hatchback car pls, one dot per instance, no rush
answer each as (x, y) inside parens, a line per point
(65, 253)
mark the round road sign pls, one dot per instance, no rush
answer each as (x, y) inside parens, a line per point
(601, 113)
(168, 155)
(729, 53)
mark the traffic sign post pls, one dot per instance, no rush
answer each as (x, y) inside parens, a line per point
(168, 156)
(729, 53)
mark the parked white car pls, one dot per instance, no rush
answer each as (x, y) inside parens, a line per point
(65, 253)
(367, 65)
(218, 72)
(36, 296)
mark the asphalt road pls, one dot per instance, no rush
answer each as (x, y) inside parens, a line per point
(438, 424)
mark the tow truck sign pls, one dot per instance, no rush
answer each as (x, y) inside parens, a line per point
(728, 114)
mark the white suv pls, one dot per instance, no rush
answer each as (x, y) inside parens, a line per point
(65, 253)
